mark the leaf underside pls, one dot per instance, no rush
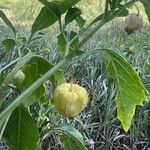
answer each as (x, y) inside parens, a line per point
(130, 90)
(21, 132)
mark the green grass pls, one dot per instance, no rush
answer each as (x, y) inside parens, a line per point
(98, 122)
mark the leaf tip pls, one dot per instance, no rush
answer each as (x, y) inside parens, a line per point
(125, 127)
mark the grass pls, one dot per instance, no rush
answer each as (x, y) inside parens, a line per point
(98, 122)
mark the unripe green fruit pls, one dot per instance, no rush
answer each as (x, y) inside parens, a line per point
(70, 99)
(19, 79)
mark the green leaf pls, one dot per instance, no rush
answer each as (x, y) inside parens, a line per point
(45, 19)
(130, 90)
(116, 4)
(62, 43)
(49, 15)
(110, 70)
(33, 70)
(9, 45)
(2, 78)
(123, 13)
(80, 21)
(146, 4)
(53, 6)
(7, 22)
(59, 77)
(72, 14)
(63, 5)
(63, 39)
(21, 132)
(71, 138)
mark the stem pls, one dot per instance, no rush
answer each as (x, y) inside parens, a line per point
(3, 127)
(23, 61)
(115, 14)
(90, 34)
(138, 11)
(72, 77)
(30, 38)
(10, 64)
(5, 84)
(67, 49)
(19, 52)
(32, 88)
(106, 10)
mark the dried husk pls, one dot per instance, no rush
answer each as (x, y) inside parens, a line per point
(133, 22)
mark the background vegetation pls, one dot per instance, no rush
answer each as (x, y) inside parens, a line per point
(98, 123)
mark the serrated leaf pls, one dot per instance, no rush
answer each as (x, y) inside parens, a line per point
(21, 132)
(7, 22)
(130, 90)
(9, 45)
(72, 14)
(71, 138)
(146, 4)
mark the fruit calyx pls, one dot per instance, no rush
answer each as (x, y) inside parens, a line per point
(70, 99)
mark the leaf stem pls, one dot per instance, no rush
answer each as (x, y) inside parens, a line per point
(10, 64)
(3, 127)
(10, 76)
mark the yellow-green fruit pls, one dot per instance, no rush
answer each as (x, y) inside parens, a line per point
(70, 99)
(19, 79)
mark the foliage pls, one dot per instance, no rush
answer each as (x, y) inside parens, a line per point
(72, 139)
(128, 83)
(21, 132)
(38, 71)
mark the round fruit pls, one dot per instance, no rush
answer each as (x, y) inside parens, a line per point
(19, 79)
(133, 22)
(70, 99)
